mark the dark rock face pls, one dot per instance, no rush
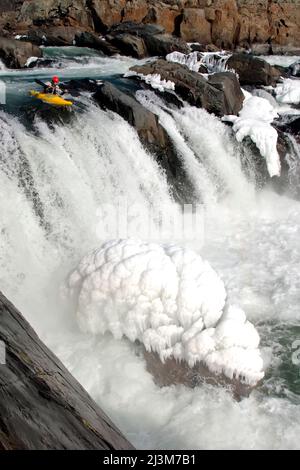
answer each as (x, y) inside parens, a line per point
(292, 127)
(133, 112)
(224, 23)
(173, 372)
(41, 405)
(221, 94)
(163, 44)
(130, 45)
(15, 53)
(295, 69)
(253, 71)
(94, 42)
(144, 40)
(146, 123)
(56, 36)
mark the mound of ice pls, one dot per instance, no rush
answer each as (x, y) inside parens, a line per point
(255, 120)
(169, 299)
(288, 92)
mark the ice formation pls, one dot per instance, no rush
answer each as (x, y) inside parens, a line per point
(169, 299)
(30, 61)
(255, 120)
(190, 60)
(154, 80)
(214, 62)
(288, 92)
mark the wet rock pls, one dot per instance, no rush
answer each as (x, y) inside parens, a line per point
(15, 54)
(173, 372)
(220, 94)
(42, 406)
(56, 13)
(95, 42)
(204, 48)
(152, 134)
(129, 45)
(252, 70)
(150, 40)
(163, 44)
(195, 27)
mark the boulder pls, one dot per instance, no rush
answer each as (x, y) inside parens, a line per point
(169, 18)
(292, 127)
(42, 406)
(56, 13)
(150, 38)
(173, 372)
(220, 94)
(225, 23)
(137, 29)
(93, 41)
(128, 44)
(252, 70)
(152, 134)
(145, 122)
(163, 44)
(15, 54)
(56, 36)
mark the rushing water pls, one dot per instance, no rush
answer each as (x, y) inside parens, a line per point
(53, 180)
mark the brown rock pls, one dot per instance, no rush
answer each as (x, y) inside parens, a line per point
(107, 12)
(15, 53)
(150, 131)
(221, 94)
(170, 18)
(173, 372)
(130, 45)
(253, 71)
(195, 26)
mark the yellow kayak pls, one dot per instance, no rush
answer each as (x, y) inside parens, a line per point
(51, 99)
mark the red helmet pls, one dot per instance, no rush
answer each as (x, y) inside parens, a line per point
(55, 79)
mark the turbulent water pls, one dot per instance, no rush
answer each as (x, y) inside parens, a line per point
(54, 177)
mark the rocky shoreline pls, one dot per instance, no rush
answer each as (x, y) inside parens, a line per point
(224, 23)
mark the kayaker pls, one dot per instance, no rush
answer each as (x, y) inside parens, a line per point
(53, 87)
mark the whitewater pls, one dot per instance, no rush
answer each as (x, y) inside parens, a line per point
(54, 177)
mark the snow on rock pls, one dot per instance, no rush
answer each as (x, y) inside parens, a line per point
(30, 61)
(190, 60)
(255, 120)
(169, 299)
(154, 80)
(288, 92)
(214, 62)
(157, 83)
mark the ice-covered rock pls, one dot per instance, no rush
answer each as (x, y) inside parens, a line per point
(288, 92)
(170, 300)
(255, 120)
